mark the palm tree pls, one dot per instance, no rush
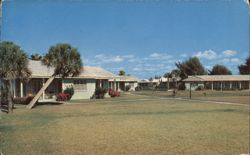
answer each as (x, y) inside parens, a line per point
(67, 62)
(122, 73)
(13, 65)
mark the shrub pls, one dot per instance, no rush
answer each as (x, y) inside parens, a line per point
(23, 100)
(127, 87)
(100, 92)
(200, 88)
(182, 86)
(114, 93)
(63, 97)
(70, 91)
(138, 88)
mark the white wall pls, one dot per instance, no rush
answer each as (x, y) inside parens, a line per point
(133, 86)
(81, 94)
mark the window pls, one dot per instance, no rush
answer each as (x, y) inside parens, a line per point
(80, 84)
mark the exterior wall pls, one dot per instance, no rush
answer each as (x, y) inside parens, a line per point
(220, 85)
(132, 84)
(194, 85)
(81, 94)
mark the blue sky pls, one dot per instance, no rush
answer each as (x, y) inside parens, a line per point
(143, 37)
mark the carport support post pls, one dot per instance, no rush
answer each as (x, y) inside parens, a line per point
(21, 89)
(190, 94)
(212, 87)
(221, 86)
(43, 91)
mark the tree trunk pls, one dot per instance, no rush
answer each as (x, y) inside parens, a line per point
(10, 96)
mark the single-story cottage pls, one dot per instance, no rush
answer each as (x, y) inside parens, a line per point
(218, 82)
(84, 85)
(121, 83)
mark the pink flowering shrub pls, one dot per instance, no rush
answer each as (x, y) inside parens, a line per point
(63, 97)
(114, 93)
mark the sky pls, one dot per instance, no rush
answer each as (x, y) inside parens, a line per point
(142, 37)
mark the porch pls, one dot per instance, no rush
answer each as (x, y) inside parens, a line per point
(32, 87)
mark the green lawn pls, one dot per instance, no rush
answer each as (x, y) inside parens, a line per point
(131, 124)
(224, 96)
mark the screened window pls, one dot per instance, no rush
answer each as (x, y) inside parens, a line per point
(80, 84)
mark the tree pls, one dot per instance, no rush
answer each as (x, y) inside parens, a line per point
(192, 66)
(244, 69)
(13, 65)
(122, 73)
(66, 61)
(220, 70)
(36, 57)
(168, 76)
(157, 77)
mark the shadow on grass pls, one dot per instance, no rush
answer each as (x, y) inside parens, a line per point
(48, 103)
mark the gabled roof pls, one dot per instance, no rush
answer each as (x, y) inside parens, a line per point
(40, 70)
(125, 78)
(218, 78)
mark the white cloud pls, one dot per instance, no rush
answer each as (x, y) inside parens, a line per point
(229, 53)
(158, 56)
(116, 59)
(208, 54)
(231, 60)
(108, 59)
(155, 55)
(235, 60)
(128, 56)
(137, 69)
(246, 1)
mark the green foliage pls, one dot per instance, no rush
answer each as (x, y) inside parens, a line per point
(182, 86)
(100, 92)
(13, 61)
(69, 90)
(13, 65)
(244, 69)
(167, 75)
(65, 58)
(157, 77)
(122, 73)
(127, 87)
(23, 100)
(220, 70)
(138, 88)
(200, 88)
(36, 57)
(192, 66)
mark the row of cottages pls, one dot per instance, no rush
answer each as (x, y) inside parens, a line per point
(218, 82)
(84, 85)
(162, 83)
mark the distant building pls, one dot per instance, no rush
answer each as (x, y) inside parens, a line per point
(121, 82)
(218, 82)
(161, 84)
